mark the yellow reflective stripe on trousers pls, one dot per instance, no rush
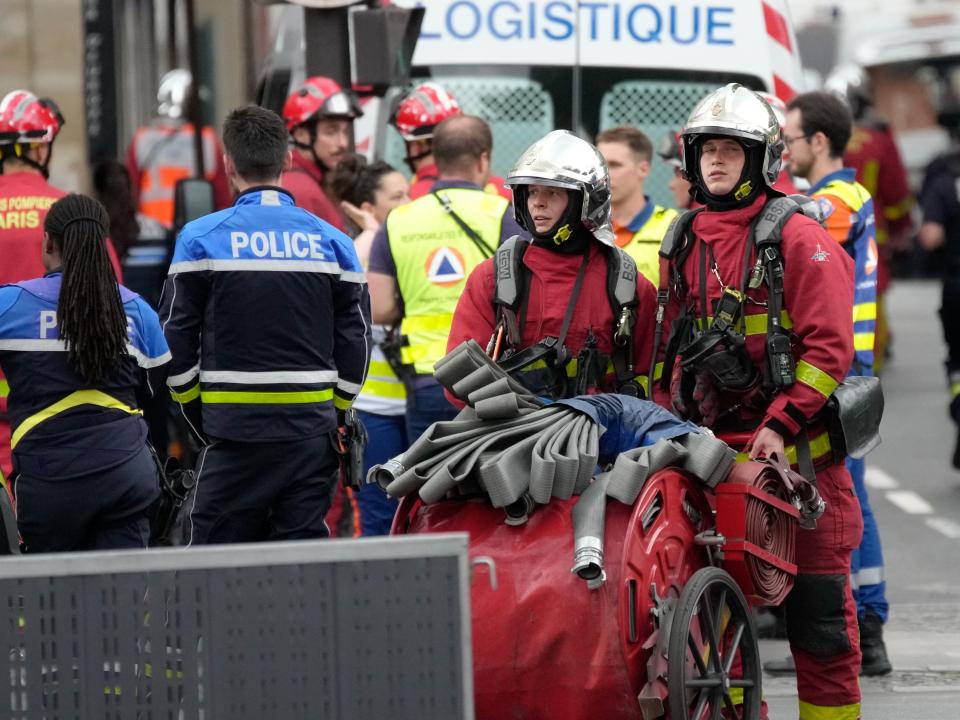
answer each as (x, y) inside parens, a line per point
(809, 711)
(864, 311)
(954, 389)
(74, 399)
(819, 446)
(814, 377)
(4, 388)
(239, 397)
(862, 342)
(187, 395)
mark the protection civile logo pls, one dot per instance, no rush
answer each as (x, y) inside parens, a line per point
(445, 267)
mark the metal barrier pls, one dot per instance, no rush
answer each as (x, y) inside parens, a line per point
(374, 629)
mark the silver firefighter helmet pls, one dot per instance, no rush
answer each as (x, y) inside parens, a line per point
(174, 94)
(561, 159)
(737, 112)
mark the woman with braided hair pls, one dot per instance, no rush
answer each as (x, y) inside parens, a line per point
(81, 354)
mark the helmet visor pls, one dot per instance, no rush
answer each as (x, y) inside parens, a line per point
(341, 104)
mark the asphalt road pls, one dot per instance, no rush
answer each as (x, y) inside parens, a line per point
(915, 495)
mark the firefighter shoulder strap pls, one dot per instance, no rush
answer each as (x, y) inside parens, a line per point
(510, 290)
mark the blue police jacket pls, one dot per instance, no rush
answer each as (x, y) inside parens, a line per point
(62, 427)
(856, 220)
(267, 314)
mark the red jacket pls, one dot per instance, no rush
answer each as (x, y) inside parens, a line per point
(818, 297)
(427, 175)
(551, 280)
(305, 182)
(874, 154)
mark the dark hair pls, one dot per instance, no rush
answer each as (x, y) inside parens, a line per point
(637, 141)
(112, 187)
(824, 112)
(89, 310)
(256, 139)
(355, 180)
(459, 141)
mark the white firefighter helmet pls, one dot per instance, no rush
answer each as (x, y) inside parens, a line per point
(174, 94)
(737, 112)
(561, 159)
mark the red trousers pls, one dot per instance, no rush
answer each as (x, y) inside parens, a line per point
(821, 613)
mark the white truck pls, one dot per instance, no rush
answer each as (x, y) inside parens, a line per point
(530, 66)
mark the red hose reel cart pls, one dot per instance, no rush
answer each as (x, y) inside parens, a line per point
(668, 634)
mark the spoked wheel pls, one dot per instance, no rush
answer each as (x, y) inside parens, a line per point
(714, 661)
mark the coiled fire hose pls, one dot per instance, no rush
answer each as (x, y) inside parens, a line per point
(770, 528)
(506, 444)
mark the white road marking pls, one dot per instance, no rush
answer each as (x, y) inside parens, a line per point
(876, 478)
(943, 525)
(910, 502)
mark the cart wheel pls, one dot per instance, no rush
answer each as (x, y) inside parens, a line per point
(714, 660)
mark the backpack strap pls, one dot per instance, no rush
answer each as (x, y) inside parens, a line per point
(509, 288)
(768, 235)
(674, 249)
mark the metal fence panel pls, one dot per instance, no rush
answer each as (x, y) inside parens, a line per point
(370, 629)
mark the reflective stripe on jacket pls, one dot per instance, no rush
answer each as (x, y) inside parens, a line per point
(848, 209)
(644, 245)
(61, 425)
(267, 313)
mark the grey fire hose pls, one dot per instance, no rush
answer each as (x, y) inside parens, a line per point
(506, 444)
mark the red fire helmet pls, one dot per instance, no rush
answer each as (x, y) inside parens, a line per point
(26, 119)
(422, 110)
(317, 98)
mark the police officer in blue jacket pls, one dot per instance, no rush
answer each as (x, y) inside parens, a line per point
(81, 354)
(267, 314)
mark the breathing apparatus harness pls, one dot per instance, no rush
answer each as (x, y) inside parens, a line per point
(717, 348)
(511, 295)
(852, 414)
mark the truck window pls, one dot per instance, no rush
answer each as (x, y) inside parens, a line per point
(656, 107)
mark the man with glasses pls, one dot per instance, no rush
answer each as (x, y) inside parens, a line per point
(817, 129)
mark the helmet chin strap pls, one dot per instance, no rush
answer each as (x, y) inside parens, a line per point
(19, 156)
(312, 129)
(410, 158)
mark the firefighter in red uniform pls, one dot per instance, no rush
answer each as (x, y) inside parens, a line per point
(559, 340)
(164, 151)
(28, 127)
(873, 152)
(757, 361)
(319, 116)
(415, 118)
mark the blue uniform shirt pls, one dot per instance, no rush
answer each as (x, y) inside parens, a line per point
(61, 426)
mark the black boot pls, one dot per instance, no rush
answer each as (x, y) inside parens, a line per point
(956, 452)
(875, 661)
